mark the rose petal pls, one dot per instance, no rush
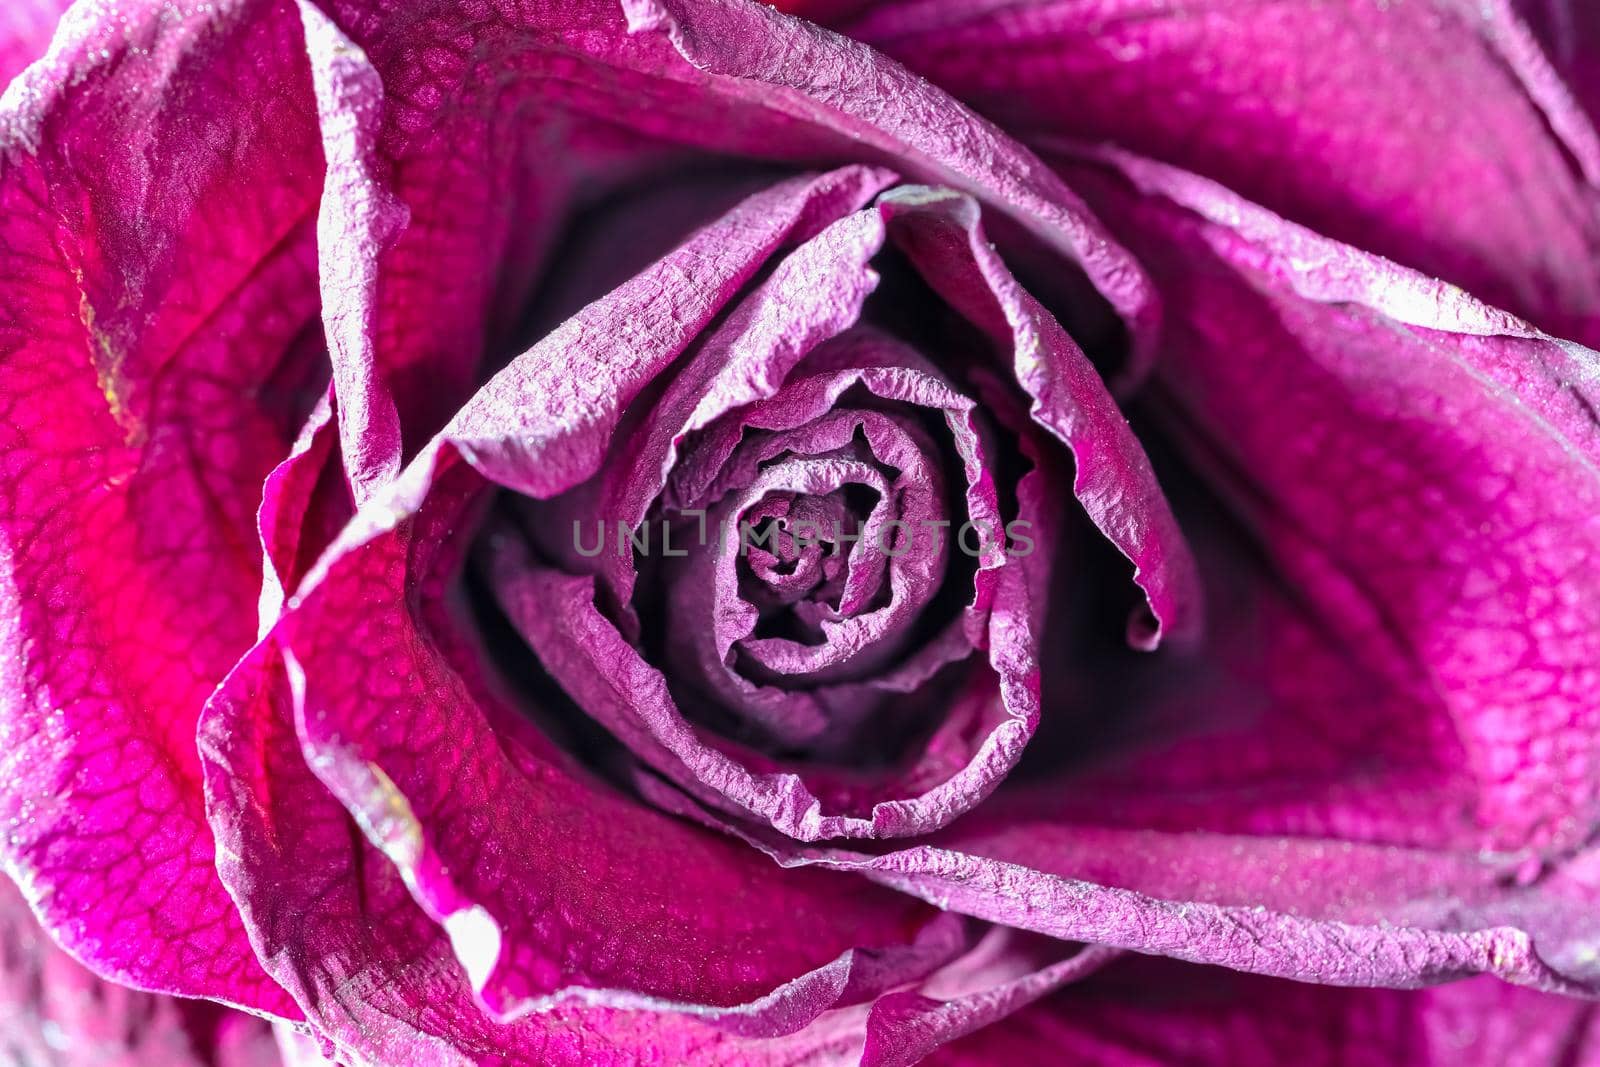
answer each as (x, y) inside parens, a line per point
(25, 29)
(54, 1013)
(411, 277)
(1442, 584)
(300, 511)
(1145, 1013)
(1476, 924)
(1115, 484)
(906, 1026)
(1458, 554)
(1466, 160)
(338, 926)
(1570, 32)
(155, 279)
(742, 367)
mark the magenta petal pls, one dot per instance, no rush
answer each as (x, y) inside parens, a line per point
(1466, 159)
(415, 755)
(520, 858)
(305, 880)
(1570, 33)
(416, 285)
(1318, 911)
(392, 990)
(25, 29)
(1305, 364)
(1472, 440)
(540, 429)
(337, 925)
(296, 520)
(1458, 555)
(1144, 1013)
(1114, 481)
(358, 221)
(155, 279)
(906, 1026)
(745, 367)
(54, 1013)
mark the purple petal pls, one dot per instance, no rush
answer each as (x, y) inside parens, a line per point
(1147, 1012)
(54, 1013)
(156, 278)
(337, 925)
(25, 29)
(906, 1026)
(417, 286)
(397, 987)
(1570, 33)
(1114, 482)
(1455, 559)
(743, 367)
(1467, 160)
(1445, 637)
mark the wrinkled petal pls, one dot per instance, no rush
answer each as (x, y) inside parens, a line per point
(54, 1013)
(1114, 481)
(1145, 1013)
(417, 285)
(1455, 722)
(155, 282)
(1322, 911)
(520, 858)
(1460, 566)
(540, 908)
(335, 922)
(491, 848)
(338, 924)
(302, 510)
(1570, 33)
(743, 367)
(1432, 133)
(906, 1026)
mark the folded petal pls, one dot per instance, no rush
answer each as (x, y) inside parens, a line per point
(1570, 33)
(518, 862)
(1146, 1013)
(506, 864)
(1432, 133)
(778, 366)
(1114, 481)
(331, 891)
(156, 285)
(420, 289)
(1455, 560)
(1405, 673)
(336, 924)
(54, 1013)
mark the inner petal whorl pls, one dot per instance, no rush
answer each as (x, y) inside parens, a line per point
(819, 576)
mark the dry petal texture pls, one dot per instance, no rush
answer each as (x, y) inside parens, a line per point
(1147, 1013)
(159, 180)
(1387, 776)
(1378, 769)
(1457, 565)
(790, 441)
(1569, 30)
(53, 1013)
(1434, 133)
(499, 901)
